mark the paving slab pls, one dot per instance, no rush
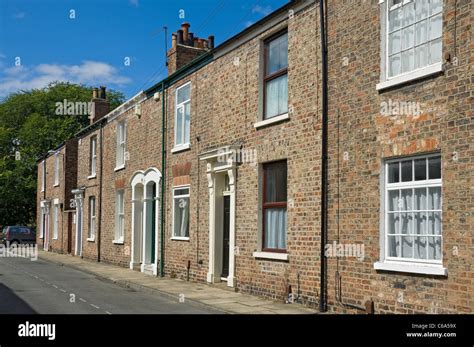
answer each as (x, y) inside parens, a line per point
(223, 300)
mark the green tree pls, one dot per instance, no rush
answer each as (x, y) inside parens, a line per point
(29, 125)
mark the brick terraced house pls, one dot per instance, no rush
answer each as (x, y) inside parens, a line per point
(235, 171)
(55, 208)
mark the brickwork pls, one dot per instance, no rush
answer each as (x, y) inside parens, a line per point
(226, 105)
(358, 129)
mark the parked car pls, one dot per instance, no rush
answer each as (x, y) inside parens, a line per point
(17, 234)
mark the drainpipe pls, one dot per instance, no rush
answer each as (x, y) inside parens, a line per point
(99, 227)
(324, 159)
(163, 178)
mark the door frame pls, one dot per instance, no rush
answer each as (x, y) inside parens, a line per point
(219, 162)
(45, 205)
(143, 178)
(79, 202)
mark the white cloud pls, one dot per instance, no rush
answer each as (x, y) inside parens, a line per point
(17, 78)
(263, 10)
(133, 2)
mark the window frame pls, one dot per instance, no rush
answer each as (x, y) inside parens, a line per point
(420, 265)
(183, 145)
(188, 195)
(92, 219)
(55, 221)
(119, 216)
(272, 76)
(416, 73)
(43, 175)
(268, 205)
(56, 169)
(120, 145)
(93, 157)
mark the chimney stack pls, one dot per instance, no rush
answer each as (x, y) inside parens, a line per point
(185, 47)
(100, 105)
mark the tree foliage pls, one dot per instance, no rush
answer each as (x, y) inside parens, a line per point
(29, 125)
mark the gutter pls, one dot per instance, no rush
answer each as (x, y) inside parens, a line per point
(324, 161)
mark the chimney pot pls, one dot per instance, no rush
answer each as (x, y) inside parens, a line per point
(191, 39)
(210, 41)
(94, 93)
(173, 40)
(185, 27)
(102, 92)
(201, 43)
(180, 37)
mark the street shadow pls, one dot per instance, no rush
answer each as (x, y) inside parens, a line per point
(10, 303)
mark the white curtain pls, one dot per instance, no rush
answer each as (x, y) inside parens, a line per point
(275, 225)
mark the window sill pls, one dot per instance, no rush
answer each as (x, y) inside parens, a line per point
(181, 148)
(118, 168)
(272, 120)
(91, 176)
(118, 242)
(416, 268)
(180, 238)
(271, 255)
(411, 76)
(91, 239)
(56, 185)
(55, 238)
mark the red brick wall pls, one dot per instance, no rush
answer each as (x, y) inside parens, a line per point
(358, 128)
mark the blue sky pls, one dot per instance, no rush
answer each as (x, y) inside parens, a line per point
(40, 42)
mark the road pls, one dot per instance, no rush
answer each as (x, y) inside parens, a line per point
(29, 287)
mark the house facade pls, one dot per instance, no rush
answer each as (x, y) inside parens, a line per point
(401, 155)
(55, 207)
(215, 174)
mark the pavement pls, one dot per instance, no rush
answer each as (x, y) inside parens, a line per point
(199, 295)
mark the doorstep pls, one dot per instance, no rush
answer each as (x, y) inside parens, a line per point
(198, 294)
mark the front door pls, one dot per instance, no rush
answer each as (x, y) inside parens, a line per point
(226, 237)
